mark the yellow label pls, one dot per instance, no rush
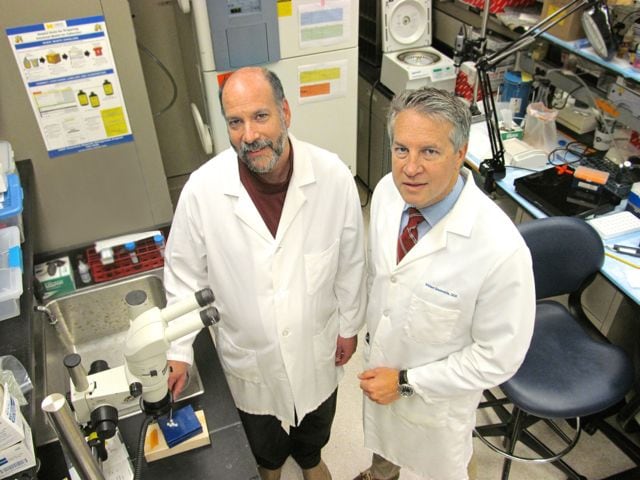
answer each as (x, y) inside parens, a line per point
(285, 9)
(320, 75)
(114, 121)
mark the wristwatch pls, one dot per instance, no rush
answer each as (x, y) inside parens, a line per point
(405, 389)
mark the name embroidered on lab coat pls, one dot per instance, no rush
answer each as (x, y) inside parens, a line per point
(439, 290)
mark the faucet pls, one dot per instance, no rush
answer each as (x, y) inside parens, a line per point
(51, 317)
(61, 327)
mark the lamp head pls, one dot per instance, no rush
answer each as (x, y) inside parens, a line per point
(597, 26)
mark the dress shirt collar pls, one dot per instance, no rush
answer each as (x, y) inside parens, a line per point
(434, 213)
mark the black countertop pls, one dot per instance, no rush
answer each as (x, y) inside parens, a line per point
(228, 457)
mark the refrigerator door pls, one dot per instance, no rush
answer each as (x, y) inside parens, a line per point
(321, 91)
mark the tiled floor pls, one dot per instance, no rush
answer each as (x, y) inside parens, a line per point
(594, 457)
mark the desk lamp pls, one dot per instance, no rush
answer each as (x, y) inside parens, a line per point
(597, 27)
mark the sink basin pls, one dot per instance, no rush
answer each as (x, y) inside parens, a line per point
(92, 322)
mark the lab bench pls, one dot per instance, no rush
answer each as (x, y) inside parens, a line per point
(228, 456)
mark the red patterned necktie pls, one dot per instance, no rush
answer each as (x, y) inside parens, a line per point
(409, 236)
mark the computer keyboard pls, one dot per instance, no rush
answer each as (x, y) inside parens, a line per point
(609, 226)
(620, 179)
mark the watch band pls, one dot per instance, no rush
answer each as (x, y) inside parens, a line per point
(402, 378)
(405, 389)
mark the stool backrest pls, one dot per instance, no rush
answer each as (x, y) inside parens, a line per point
(567, 253)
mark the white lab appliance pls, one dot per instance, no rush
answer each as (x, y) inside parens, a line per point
(408, 60)
(312, 45)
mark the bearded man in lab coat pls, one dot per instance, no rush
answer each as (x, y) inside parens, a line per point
(455, 315)
(273, 225)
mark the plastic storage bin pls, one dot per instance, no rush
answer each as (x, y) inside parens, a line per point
(11, 211)
(10, 272)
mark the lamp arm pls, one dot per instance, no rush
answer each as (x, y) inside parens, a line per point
(494, 168)
(534, 32)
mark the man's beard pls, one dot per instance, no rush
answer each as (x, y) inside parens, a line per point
(277, 148)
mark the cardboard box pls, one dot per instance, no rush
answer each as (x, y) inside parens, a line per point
(515, 132)
(56, 277)
(11, 425)
(18, 457)
(570, 28)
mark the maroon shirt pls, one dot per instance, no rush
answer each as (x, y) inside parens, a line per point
(267, 197)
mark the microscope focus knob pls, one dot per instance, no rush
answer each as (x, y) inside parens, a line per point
(73, 363)
(135, 389)
(210, 316)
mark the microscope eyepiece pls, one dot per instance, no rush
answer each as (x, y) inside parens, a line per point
(205, 297)
(210, 316)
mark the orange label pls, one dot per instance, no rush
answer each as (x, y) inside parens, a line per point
(222, 77)
(313, 90)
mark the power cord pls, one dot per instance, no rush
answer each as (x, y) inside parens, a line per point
(140, 453)
(174, 86)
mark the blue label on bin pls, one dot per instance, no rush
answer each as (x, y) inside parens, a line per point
(15, 257)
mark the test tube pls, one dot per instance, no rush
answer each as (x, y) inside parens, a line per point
(159, 241)
(131, 248)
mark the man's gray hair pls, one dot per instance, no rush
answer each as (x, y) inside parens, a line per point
(435, 104)
(276, 88)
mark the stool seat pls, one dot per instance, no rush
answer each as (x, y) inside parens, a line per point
(566, 373)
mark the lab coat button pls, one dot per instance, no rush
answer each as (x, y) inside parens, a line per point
(285, 332)
(394, 279)
(385, 312)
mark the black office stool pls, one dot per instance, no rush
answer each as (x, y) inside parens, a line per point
(570, 370)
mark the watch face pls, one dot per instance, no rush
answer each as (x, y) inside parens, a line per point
(405, 390)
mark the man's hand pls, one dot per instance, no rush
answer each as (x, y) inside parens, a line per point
(178, 376)
(345, 348)
(380, 384)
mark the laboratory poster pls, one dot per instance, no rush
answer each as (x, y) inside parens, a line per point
(69, 72)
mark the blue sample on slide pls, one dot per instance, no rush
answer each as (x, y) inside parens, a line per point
(183, 426)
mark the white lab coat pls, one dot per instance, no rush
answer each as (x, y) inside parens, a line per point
(283, 301)
(458, 312)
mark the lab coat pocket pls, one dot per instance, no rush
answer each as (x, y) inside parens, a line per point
(320, 268)
(237, 361)
(430, 323)
(415, 410)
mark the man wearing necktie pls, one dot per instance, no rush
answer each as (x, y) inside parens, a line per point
(451, 296)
